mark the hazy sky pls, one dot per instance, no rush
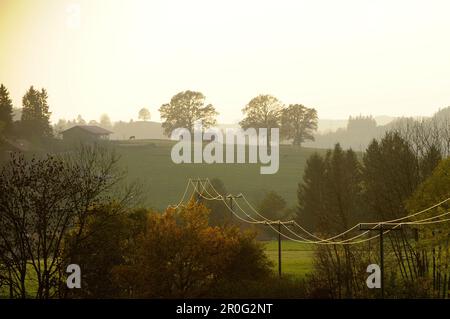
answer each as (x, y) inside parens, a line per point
(341, 57)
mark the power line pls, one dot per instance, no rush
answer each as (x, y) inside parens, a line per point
(309, 233)
(303, 240)
(184, 195)
(343, 242)
(413, 215)
(220, 197)
(383, 227)
(381, 230)
(327, 241)
(357, 225)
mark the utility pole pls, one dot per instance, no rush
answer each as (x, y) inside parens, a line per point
(279, 224)
(380, 228)
(279, 249)
(230, 198)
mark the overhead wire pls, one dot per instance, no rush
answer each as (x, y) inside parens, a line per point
(346, 241)
(301, 239)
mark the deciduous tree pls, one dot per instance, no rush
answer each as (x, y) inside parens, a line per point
(180, 255)
(105, 121)
(41, 201)
(263, 111)
(144, 114)
(298, 123)
(184, 110)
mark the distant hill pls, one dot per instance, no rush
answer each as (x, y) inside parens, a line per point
(329, 132)
(360, 131)
(331, 125)
(139, 129)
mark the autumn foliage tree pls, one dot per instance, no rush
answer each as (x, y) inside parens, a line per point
(432, 240)
(181, 256)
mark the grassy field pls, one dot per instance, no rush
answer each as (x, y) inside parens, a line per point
(163, 181)
(149, 161)
(31, 283)
(296, 258)
(296, 262)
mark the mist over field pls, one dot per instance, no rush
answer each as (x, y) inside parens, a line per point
(224, 150)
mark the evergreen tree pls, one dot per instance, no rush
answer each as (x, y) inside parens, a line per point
(390, 174)
(6, 110)
(331, 197)
(35, 115)
(311, 193)
(342, 189)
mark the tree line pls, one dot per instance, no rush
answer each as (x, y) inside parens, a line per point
(390, 180)
(361, 130)
(72, 208)
(35, 118)
(296, 122)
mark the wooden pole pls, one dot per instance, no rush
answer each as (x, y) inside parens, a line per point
(381, 228)
(279, 249)
(382, 261)
(279, 224)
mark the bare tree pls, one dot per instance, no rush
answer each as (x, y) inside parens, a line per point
(41, 201)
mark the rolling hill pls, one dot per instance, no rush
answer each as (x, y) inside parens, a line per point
(149, 162)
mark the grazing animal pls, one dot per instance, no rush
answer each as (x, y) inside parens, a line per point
(132, 137)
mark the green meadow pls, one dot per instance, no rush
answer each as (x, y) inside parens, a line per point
(163, 182)
(296, 258)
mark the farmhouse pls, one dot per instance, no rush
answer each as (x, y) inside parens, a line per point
(86, 133)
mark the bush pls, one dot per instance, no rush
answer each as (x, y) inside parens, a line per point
(180, 256)
(108, 235)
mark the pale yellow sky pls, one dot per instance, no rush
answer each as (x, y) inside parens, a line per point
(342, 57)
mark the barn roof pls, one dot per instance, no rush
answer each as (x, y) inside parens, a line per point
(96, 130)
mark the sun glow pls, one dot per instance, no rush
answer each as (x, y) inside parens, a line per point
(115, 56)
